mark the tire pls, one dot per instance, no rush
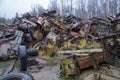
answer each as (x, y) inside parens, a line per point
(22, 55)
(16, 76)
(32, 52)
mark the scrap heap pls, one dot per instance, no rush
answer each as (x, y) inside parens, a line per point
(79, 44)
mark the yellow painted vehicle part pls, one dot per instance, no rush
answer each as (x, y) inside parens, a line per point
(68, 66)
(51, 48)
(82, 44)
(68, 45)
(95, 45)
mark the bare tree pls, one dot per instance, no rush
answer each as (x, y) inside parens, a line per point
(87, 9)
(54, 5)
(37, 10)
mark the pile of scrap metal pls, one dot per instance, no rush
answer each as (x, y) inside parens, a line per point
(6, 34)
(15, 39)
(110, 36)
(95, 42)
(33, 35)
(49, 33)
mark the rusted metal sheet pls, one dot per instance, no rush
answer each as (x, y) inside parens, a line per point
(85, 62)
(74, 64)
(58, 24)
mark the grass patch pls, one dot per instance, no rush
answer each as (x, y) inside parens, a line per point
(64, 77)
(4, 64)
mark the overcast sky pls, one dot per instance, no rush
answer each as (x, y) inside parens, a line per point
(8, 8)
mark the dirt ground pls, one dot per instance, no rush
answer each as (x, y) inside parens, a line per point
(47, 73)
(51, 71)
(105, 73)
